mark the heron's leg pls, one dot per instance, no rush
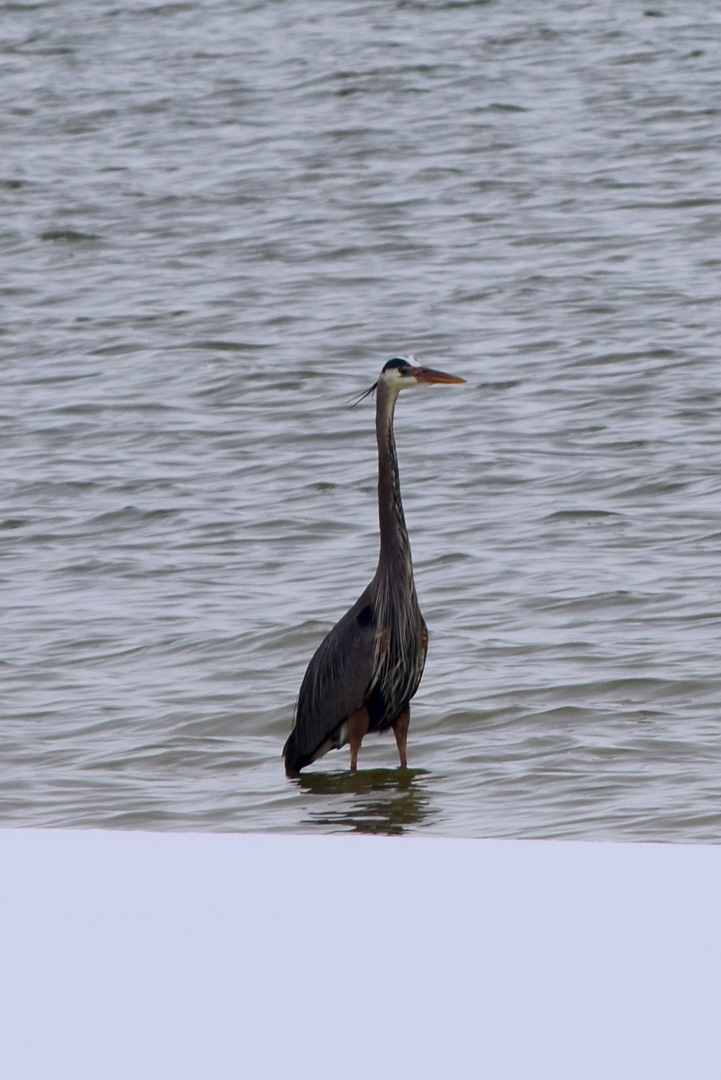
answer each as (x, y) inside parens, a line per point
(400, 730)
(358, 725)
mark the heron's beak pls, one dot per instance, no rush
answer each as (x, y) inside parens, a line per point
(430, 375)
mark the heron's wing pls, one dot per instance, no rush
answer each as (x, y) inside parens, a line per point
(338, 679)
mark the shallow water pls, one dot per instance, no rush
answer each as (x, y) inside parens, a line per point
(219, 220)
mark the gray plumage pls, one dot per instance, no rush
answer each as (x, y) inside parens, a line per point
(371, 662)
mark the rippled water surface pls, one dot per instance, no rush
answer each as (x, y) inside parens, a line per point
(218, 220)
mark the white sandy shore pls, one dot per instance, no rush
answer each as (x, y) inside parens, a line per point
(140, 956)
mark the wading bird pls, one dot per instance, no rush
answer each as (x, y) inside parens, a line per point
(368, 668)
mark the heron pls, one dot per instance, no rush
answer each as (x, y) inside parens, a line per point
(366, 670)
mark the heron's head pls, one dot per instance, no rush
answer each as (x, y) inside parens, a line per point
(404, 372)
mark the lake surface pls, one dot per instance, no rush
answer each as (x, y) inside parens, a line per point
(218, 221)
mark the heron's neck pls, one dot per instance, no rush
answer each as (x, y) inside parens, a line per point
(395, 546)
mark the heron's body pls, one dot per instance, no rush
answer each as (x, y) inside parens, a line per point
(367, 669)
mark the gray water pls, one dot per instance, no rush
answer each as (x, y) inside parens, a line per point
(219, 219)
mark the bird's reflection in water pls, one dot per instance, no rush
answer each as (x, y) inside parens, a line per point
(370, 801)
